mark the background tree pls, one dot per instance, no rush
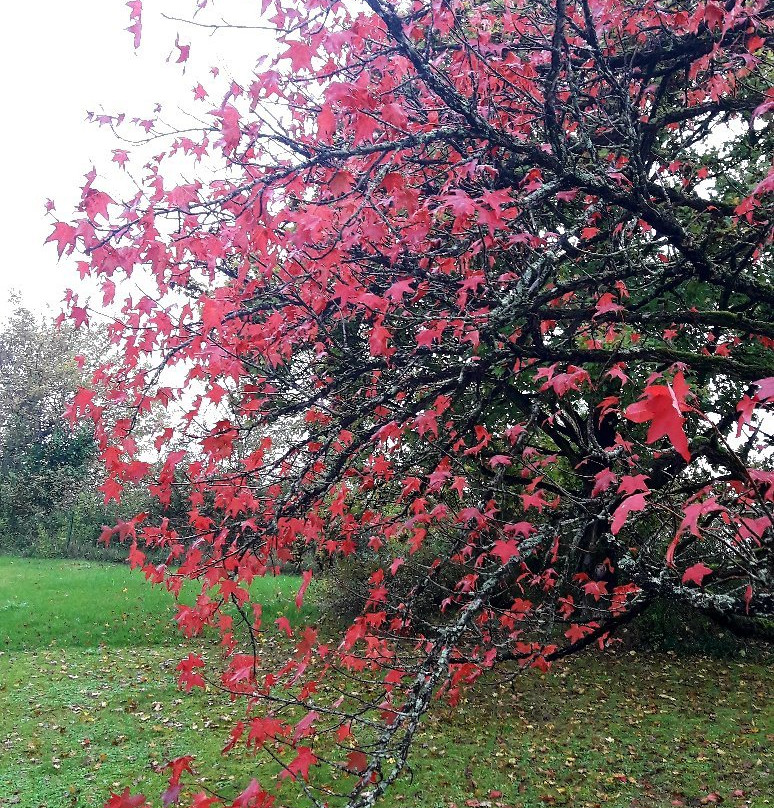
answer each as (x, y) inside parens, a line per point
(53, 500)
(44, 461)
(508, 263)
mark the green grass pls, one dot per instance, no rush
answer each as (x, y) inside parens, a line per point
(89, 704)
(84, 604)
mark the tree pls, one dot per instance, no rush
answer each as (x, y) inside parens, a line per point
(43, 460)
(499, 275)
(50, 501)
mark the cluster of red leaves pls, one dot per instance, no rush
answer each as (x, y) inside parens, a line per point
(459, 255)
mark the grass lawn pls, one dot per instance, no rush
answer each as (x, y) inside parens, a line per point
(89, 704)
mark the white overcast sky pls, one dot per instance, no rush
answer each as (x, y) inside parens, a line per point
(60, 59)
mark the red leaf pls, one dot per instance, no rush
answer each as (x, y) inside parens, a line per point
(696, 574)
(631, 483)
(765, 389)
(96, 203)
(180, 765)
(300, 764)
(762, 109)
(695, 511)
(300, 54)
(171, 795)
(120, 156)
(377, 341)
(607, 305)
(79, 316)
(326, 123)
(714, 15)
(252, 797)
(306, 578)
(112, 489)
(661, 405)
(126, 800)
(64, 236)
(670, 553)
(202, 800)
(577, 632)
(602, 481)
(629, 505)
(426, 421)
(500, 460)
(237, 731)
(357, 761)
(135, 16)
(399, 289)
(212, 313)
(304, 726)
(232, 132)
(505, 550)
(185, 51)
(596, 589)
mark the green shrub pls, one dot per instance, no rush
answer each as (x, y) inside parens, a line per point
(673, 627)
(345, 584)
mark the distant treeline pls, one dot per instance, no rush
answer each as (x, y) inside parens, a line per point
(50, 504)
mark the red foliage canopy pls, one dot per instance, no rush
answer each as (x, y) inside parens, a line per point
(480, 298)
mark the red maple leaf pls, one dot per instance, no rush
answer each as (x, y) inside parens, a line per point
(696, 574)
(505, 550)
(400, 288)
(112, 489)
(203, 800)
(378, 339)
(631, 483)
(126, 800)
(252, 797)
(96, 203)
(304, 726)
(695, 511)
(602, 481)
(232, 132)
(185, 51)
(765, 389)
(306, 579)
(171, 795)
(79, 315)
(212, 313)
(357, 761)
(607, 305)
(426, 421)
(595, 589)
(120, 156)
(577, 632)
(500, 460)
(64, 235)
(300, 764)
(300, 54)
(180, 765)
(621, 513)
(662, 405)
(135, 16)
